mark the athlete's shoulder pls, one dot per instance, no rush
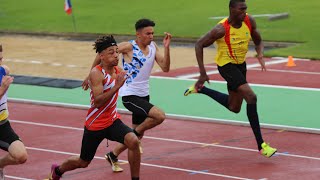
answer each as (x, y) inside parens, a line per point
(124, 47)
(154, 44)
(5, 70)
(222, 20)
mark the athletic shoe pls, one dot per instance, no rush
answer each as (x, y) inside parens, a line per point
(53, 175)
(1, 174)
(267, 150)
(140, 147)
(114, 163)
(190, 90)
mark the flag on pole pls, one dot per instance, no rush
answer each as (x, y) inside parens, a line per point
(67, 7)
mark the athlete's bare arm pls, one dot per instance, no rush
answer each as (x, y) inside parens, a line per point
(96, 84)
(6, 81)
(257, 40)
(164, 61)
(125, 48)
(216, 33)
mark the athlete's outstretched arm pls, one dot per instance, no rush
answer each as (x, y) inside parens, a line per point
(164, 61)
(216, 33)
(257, 40)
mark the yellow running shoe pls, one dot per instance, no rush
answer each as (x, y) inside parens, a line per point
(114, 163)
(267, 150)
(190, 90)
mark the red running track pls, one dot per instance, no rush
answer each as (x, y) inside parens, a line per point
(172, 151)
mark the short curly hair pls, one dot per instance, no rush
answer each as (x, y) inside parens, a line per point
(103, 43)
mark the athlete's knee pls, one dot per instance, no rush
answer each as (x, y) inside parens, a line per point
(21, 158)
(161, 117)
(132, 141)
(158, 115)
(235, 109)
(251, 98)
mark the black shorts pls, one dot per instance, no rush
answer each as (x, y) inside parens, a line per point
(139, 106)
(92, 139)
(234, 74)
(7, 135)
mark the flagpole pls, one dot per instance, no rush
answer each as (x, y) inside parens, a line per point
(74, 22)
(68, 10)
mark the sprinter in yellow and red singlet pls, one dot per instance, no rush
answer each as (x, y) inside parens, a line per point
(232, 36)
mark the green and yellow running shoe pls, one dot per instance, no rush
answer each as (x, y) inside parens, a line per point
(267, 150)
(190, 90)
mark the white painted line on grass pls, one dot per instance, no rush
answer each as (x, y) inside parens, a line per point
(254, 15)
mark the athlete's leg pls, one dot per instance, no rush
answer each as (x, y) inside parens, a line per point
(17, 154)
(252, 113)
(72, 163)
(155, 117)
(235, 101)
(90, 143)
(134, 157)
(123, 134)
(231, 101)
(10, 141)
(144, 114)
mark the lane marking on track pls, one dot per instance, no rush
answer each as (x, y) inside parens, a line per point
(200, 171)
(37, 62)
(251, 84)
(170, 140)
(208, 144)
(144, 164)
(288, 71)
(249, 66)
(175, 116)
(15, 177)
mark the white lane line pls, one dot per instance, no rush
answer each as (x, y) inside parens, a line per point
(251, 84)
(37, 62)
(145, 164)
(176, 116)
(15, 177)
(288, 71)
(193, 75)
(169, 140)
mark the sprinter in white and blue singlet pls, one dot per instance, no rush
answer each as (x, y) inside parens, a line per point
(139, 56)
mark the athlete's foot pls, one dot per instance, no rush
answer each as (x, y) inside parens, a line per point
(114, 163)
(267, 150)
(53, 175)
(192, 89)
